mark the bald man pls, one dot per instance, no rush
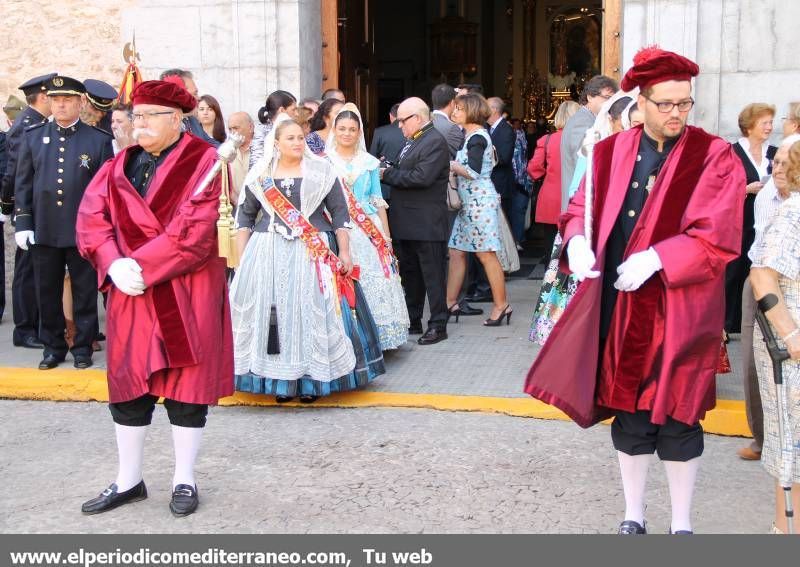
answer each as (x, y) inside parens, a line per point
(418, 217)
(242, 124)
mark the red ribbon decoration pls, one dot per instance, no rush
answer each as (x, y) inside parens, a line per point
(376, 237)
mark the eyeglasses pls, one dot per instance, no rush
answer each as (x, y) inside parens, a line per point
(400, 121)
(666, 107)
(148, 115)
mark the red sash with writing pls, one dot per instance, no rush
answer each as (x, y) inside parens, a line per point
(364, 222)
(318, 249)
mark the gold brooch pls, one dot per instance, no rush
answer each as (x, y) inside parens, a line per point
(84, 160)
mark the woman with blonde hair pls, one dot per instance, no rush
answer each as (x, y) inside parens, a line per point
(775, 277)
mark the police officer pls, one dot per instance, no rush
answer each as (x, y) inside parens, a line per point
(23, 289)
(56, 162)
(100, 98)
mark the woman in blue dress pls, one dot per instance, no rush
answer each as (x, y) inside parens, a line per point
(477, 226)
(370, 240)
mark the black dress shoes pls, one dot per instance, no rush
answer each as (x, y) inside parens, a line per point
(629, 527)
(50, 361)
(479, 298)
(82, 361)
(184, 500)
(467, 309)
(29, 342)
(415, 328)
(110, 499)
(432, 336)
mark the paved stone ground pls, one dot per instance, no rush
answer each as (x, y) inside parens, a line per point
(367, 470)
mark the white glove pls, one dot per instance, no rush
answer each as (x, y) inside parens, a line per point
(23, 237)
(637, 269)
(581, 258)
(127, 276)
(3, 218)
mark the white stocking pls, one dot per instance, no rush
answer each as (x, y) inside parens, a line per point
(130, 448)
(681, 477)
(186, 441)
(634, 479)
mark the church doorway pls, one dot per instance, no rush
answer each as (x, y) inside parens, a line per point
(532, 53)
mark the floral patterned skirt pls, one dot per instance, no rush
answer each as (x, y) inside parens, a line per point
(557, 290)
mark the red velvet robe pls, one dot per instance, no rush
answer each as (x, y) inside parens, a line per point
(663, 345)
(175, 340)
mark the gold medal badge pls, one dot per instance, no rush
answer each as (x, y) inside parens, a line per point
(85, 160)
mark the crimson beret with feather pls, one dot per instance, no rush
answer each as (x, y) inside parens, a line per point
(653, 65)
(163, 93)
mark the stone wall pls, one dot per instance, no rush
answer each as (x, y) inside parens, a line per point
(745, 49)
(238, 50)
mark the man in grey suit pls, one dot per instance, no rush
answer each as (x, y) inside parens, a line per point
(443, 99)
(597, 90)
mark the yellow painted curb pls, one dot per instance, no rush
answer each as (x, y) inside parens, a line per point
(65, 385)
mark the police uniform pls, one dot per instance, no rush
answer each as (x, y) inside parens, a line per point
(101, 96)
(23, 289)
(54, 166)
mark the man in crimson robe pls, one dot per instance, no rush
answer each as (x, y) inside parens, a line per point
(648, 315)
(153, 243)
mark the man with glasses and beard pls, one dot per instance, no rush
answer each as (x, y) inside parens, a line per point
(152, 239)
(666, 219)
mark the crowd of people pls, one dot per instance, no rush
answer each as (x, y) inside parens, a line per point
(342, 244)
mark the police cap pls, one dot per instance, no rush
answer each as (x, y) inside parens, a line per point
(37, 84)
(100, 95)
(61, 85)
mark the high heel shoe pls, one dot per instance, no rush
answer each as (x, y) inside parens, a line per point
(454, 311)
(507, 311)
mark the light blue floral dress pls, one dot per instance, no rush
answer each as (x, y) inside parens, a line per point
(477, 226)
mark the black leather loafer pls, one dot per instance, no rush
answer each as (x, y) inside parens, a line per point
(110, 499)
(29, 342)
(432, 336)
(479, 298)
(184, 500)
(50, 361)
(82, 361)
(415, 328)
(629, 527)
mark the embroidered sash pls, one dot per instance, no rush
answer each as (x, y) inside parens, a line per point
(318, 249)
(364, 222)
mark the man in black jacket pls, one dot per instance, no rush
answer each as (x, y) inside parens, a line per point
(23, 287)
(387, 143)
(418, 217)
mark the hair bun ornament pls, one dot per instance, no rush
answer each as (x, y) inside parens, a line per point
(647, 53)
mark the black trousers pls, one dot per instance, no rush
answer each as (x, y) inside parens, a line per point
(48, 269)
(634, 434)
(3, 271)
(423, 268)
(23, 297)
(139, 412)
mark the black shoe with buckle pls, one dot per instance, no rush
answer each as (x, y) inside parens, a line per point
(184, 500)
(432, 336)
(629, 527)
(110, 499)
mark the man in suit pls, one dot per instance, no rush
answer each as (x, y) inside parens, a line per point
(597, 90)
(503, 139)
(418, 217)
(23, 287)
(387, 143)
(443, 98)
(55, 163)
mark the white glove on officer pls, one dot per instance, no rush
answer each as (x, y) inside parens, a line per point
(23, 237)
(127, 276)
(637, 269)
(581, 258)
(3, 218)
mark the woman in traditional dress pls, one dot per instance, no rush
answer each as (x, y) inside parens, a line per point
(301, 326)
(477, 225)
(370, 242)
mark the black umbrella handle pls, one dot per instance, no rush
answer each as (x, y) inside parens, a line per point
(776, 353)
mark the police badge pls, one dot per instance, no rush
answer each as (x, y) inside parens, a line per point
(85, 161)
(58, 81)
(46, 140)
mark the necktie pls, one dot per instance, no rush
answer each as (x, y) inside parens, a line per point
(404, 150)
